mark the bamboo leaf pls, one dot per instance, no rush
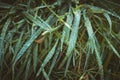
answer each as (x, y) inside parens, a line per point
(88, 25)
(35, 57)
(2, 37)
(36, 21)
(112, 47)
(109, 20)
(113, 14)
(66, 30)
(95, 9)
(27, 69)
(89, 31)
(45, 75)
(54, 60)
(26, 46)
(74, 33)
(48, 57)
(93, 43)
(67, 65)
(57, 15)
(87, 57)
(19, 43)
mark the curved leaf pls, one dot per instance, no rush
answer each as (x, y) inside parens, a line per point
(109, 20)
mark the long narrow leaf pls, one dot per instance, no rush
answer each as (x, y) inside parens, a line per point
(93, 43)
(19, 43)
(67, 65)
(48, 57)
(113, 48)
(73, 36)
(45, 75)
(54, 60)
(27, 69)
(36, 21)
(26, 45)
(2, 37)
(74, 33)
(35, 57)
(66, 30)
(109, 20)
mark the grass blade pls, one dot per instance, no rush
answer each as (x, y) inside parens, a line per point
(88, 25)
(73, 36)
(56, 15)
(48, 57)
(93, 43)
(113, 48)
(109, 20)
(19, 43)
(67, 65)
(54, 60)
(36, 21)
(35, 57)
(74, 33)
(26, 45)
(27, 69)
(66, 30)
(2, 37)
(45, 75)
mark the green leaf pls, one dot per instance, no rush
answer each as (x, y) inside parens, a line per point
(112, 47)
(74, 33)
(113, 14)
(87, 57)
(56, 15)
(88, 25)
(54, 60)
(67, 65)
(2, 37)
(66, 30)
(26, 45)
(109, 20)
(89, 31)
(37, 21)
(45, 75)
(35, 57)
(48, 57)
(95, 9)
(19, 43)
(27, 69)
(92, 44)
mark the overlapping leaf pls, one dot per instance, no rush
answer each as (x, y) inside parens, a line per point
(48, 57)
(92, 43)
(26, 45)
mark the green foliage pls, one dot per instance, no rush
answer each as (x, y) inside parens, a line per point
(42, 39)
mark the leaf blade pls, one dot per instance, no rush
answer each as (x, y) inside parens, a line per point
(48, 57)
(26, 45)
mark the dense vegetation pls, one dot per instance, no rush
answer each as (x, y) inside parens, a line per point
(59, 40)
